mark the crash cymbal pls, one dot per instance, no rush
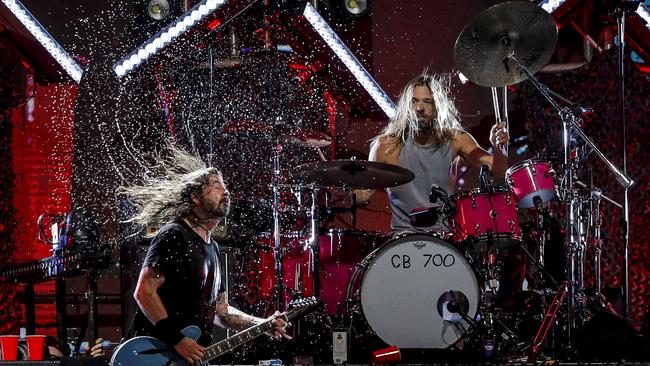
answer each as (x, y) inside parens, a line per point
(523, 29)
(352, 173)
(306, 137)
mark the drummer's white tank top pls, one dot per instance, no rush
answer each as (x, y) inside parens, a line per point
(431, 165)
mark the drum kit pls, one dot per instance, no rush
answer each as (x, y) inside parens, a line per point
(439, 290)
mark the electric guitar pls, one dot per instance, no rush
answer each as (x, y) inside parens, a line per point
(150, 351)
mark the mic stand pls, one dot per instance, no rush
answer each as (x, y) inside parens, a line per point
(570, 123)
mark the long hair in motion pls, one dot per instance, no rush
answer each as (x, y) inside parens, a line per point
(165, 194)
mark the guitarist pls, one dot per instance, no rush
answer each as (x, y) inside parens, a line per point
(182, 280)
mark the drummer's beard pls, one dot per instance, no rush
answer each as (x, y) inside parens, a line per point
(423, 123)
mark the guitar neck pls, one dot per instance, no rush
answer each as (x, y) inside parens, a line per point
(237, 340)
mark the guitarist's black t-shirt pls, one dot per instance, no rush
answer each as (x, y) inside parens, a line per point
(193, 277)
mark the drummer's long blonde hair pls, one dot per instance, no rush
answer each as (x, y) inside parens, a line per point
(404, 124)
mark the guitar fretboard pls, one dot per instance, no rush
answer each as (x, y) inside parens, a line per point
(237, 340)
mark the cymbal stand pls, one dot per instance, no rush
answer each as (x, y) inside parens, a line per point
(314, 241)
(570, 124)
(277, 243)
(597, 240)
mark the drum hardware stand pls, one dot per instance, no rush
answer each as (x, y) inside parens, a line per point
(314, 239)
(314, 242)
(597, 240)
(570, 123)
(621, 10)
(541, 237)
(277, 243)
(547, 322)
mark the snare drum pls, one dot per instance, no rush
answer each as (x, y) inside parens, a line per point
(405, 288)
(486, 218)
(532, 178)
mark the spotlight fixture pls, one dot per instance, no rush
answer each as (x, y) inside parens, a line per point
(44, 38)
(644, 13)
(343, 53)
(551, 5)
(166, 36)
(158, 9)
(356, 8)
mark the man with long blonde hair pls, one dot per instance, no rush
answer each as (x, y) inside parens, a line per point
(182, 278)
(425, 136)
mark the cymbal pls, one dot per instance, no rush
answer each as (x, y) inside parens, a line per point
(305, 137)
(352, 173)
(483, 48)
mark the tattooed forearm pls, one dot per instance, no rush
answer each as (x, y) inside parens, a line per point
(233, 318)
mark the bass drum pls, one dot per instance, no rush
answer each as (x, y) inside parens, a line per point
(408, 287)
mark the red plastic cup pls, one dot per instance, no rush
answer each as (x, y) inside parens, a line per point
(9, 345)
(386, 355)
(35, 347)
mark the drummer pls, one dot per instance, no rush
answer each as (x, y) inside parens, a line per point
(425, 136)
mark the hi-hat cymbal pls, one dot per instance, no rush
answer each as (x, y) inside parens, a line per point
(352, 174)
(523, 29)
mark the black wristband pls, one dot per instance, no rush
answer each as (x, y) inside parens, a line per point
(168, 331)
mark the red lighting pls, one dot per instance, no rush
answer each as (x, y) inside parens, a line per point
(297, 66)
(214, 24)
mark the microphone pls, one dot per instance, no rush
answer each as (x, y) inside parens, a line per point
(485, 177)
(437, 192)
(455, 307)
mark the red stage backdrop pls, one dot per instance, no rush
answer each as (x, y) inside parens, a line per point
(595, 85)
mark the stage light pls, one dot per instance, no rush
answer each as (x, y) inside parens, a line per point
(551, 5)
(644, 13)
(356, 8)
(167, 35)
(158, 9)
(348, 59)
(52, 46)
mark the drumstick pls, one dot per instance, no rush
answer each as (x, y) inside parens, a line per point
(505, 119)
(497, 113)
(320, 154)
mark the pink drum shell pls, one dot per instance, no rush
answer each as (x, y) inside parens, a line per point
(478, 219)
(531, 178)
(340, 252)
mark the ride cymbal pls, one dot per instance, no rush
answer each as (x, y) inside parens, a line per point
(517, 28)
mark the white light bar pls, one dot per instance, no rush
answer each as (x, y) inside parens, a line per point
(44, 38)
(644, 13)
(551, 5)
(166, 36)
(351, 62)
